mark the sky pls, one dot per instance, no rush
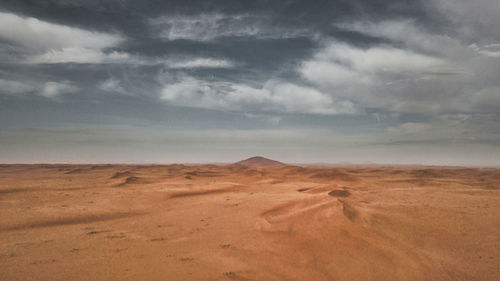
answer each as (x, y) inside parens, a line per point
(338, 81)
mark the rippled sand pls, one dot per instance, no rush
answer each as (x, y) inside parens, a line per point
(175, 222)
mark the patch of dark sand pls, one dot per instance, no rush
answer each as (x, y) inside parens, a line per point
(339, 193)
(50, 222)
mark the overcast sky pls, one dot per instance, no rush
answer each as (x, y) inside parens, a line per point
(372, 81)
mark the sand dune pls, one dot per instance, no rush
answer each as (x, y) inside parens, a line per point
(119, 175)
(78, 219)
(201, 192)
(263, 221)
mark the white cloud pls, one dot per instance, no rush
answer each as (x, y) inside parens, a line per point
(468, 81)
(80, 55)
(49, 89)
(54, 43)
(473, 19)
(274, 96)
(406, 32)
(111, 85)
(200, 63)
(15, 87)
(34, 33)
(193, 93)
(204, 27)
(487, 99)
(330, 74)
(490, 50)
(307, 100)
(341, 68)
(417, 71)
(55, 89)
(374, 77)
(211, 26)
(379, 59)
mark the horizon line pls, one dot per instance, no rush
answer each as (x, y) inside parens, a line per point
(321, 164)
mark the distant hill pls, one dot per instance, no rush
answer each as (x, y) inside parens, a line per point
(258, 162)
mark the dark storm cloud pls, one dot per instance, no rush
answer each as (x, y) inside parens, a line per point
(356, 75)
(132, 17)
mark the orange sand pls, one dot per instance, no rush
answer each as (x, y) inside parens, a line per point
(175, 222)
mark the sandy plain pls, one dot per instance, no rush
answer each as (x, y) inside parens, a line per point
(208, 222)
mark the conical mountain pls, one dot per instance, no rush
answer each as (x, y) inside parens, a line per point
(259, 162)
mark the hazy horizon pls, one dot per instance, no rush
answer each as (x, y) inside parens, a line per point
(221, 163)
(358, 82)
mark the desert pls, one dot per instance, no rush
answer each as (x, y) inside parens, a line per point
(252, 220)
(330, 140)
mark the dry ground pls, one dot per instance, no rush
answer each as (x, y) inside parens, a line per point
(175, 222)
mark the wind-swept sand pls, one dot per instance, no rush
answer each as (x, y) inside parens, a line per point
(175, 222)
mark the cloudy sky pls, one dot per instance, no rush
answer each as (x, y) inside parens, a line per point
(372, 81)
